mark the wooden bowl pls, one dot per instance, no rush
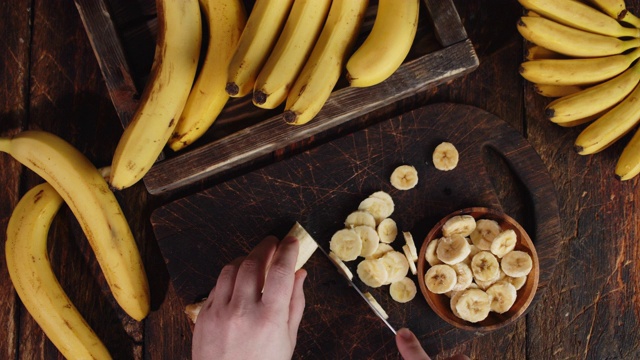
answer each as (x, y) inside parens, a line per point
(439, 303)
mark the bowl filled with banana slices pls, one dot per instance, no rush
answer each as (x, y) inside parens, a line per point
(478, 269)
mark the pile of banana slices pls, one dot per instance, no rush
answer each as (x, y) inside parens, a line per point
(475, 264)
(583, 54)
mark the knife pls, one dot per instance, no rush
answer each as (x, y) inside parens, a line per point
(353, 285)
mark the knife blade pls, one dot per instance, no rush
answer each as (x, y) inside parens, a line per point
(353, 285)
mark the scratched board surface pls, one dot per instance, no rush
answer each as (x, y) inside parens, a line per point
(201, 233)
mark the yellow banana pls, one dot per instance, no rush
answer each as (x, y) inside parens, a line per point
(594, 99)
(580, 16)
(226, 20)
(87, 193)
(35, 282)
(536, 52)
(166, 92)
(294, 45)
(628, 165)
(324, 66)
(556, 91)
(611, 126)
(617, 10)
(569, 41)
(576, 71)
(263, 28)
(387, 45)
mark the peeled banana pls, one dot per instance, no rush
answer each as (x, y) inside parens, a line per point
(35, 282)
(95, 207)
(387, 45)
(225, 21)
(322, 70)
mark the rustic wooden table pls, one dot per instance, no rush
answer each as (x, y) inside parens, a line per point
(51, 81)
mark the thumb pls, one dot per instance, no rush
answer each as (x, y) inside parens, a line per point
(409, 346)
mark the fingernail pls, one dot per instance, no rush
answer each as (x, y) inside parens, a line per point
(405, 334)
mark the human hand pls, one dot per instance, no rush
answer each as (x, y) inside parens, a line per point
(255, 308)
(410, 347)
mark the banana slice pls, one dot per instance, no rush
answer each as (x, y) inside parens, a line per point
(386, 197)
(376, 305)
(484, 285)
(516, 263)
(503, 295)
(430, 255)
(464, 276)
(370, 239)
(412, 264)
(452, 250)
(473, 305)
(408, 238)
(346, 244)
(486, 230)
(474, 250)
(503, 243)
(445, 156)
(381, 250)
(341, 265)
(403, 291)
(440, 278)
(517, 282)
(404, 177)
(460, 225)
(396, 264)
(358, 218)
(453, 302)
(373, 272)
(387, 231)
(377, 207)
(485, 266)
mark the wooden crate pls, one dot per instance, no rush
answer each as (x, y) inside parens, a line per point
(122, 34)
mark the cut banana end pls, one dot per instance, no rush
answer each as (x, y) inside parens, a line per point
(408, 239)
(404, 177)
(373, 273)
(376, 305)
(307, 245)
(403, 291)
(516, 263)
(387, 231)
(346, 243)
(445, 156)
(440, 279)
(341, 265)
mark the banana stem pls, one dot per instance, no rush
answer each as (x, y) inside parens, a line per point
(5, 145)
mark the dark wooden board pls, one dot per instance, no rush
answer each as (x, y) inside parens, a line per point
(200, 233)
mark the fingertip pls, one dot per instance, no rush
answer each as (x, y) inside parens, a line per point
(405, 334)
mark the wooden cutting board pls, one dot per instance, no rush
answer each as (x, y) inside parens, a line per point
(201, 233)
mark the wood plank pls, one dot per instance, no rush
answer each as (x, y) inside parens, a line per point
(446, 22)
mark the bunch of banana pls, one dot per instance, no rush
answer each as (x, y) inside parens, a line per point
(35, 282)
(584, 56)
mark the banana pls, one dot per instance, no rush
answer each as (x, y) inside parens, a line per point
(404, 177)
(370, 239)
(617, 10)
(484, 285)
(263, 27)
(570, 41)
(322, 70)
(377, 207)
(403, 291)
(35, 282)
(376, 305)
(464, 276)
(628, 165)
(387, 45)
(504, 242)
(396, 264)
(584, 120)
(294, 45)
(430, 254)
(225, 20)
(452, 249)
(380, 251)
(516, 263)
(536, 52)
(410, 260)
(611, 126)
(517, 282)
(346, 244)
(577, 71)
(384, 196)
(473, 305)
(411, 245)
(358, 218)
(594, 99)
(341, 265)
(387, 231)
(306, 244)
(580, 16)
(445, 156)
(166, 92)
(462, 225)
(95, 207)
(485, 232)
(485, 266)
(503, 295)
(373, 272)
(440, 278)
(556, 91)
(453, 301)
